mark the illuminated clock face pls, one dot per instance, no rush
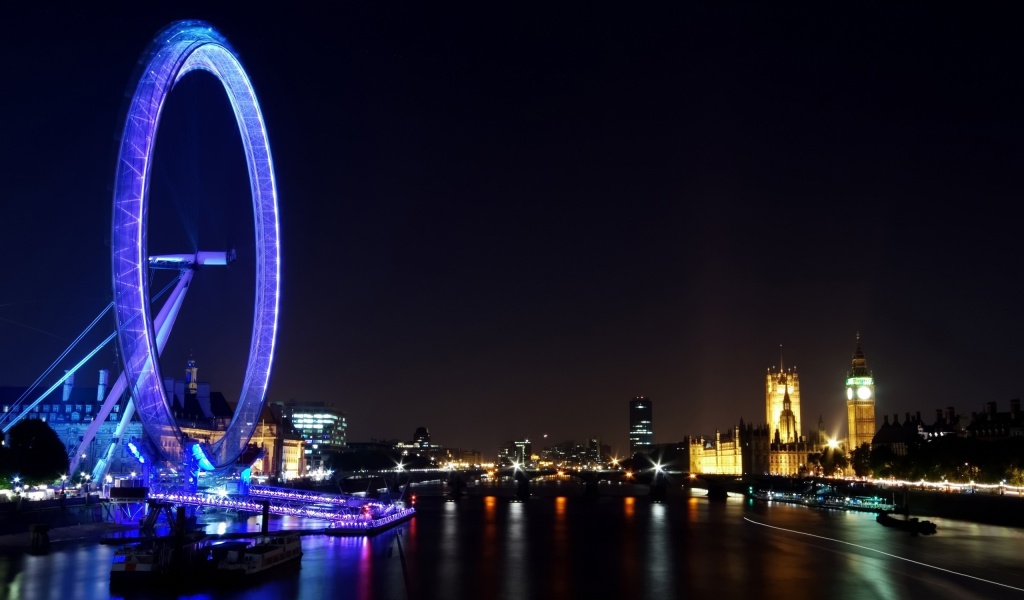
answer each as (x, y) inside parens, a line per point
(863, 392)
(849, 393)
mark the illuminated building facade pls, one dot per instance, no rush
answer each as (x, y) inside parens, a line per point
(782, 404)
(200, 413)
(293, 459)
(641, 427)
(756, 443)
(421, 446)
(569, 454)
(322, 430)
(69, 412)
(764, 455)
(721, 456)
(860, 401)
(523, 452)
(284, 454)
(204, 415)
(790, 459)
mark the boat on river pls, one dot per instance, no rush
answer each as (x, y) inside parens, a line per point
(913, 524)
(161, 560)
(196, 560)
(267, 553)
(828, 501)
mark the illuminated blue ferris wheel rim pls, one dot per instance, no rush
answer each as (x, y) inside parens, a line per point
(179, 49)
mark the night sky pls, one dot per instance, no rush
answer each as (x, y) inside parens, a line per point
(508, 219)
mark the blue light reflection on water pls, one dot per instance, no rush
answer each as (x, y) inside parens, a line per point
(575, 547)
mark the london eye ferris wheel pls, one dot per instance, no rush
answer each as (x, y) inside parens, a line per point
(182, 48)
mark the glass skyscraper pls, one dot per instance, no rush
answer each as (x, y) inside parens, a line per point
(641, 427)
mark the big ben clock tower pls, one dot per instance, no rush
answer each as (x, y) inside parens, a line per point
(860, 401)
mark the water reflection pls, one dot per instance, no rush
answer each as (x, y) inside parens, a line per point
(660, 558)
(629, 559)
(365, 589)
(573, 547)
(561, 560)
(515, 581)
(488, 573)
(872, 575)
(448, 569)
(68, 574)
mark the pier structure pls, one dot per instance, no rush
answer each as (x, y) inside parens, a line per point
(345, 512)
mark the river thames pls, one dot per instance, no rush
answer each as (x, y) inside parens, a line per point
(570, 546)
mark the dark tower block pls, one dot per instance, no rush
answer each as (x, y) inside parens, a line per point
(641, 428)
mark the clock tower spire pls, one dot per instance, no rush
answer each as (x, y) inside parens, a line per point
(860, 401)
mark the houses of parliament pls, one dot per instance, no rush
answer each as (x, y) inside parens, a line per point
(777, 445)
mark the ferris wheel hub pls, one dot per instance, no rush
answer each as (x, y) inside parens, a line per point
(191, 261)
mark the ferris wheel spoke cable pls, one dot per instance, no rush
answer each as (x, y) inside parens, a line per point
(15, 414)
(63, 355)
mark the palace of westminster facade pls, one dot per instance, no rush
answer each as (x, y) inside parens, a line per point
(776, 446)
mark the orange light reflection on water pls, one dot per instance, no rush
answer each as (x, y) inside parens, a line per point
(488, 575)
(630, 561)
(561, 560)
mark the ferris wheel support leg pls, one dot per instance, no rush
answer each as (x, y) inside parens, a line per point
(103, 464)
(162, 325)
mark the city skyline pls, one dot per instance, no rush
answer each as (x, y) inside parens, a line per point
(508, 222)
